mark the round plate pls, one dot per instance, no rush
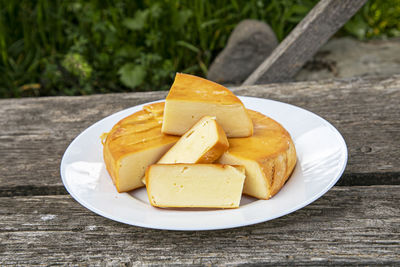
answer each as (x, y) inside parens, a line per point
(321, 154)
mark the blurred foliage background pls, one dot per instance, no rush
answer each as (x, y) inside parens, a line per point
(92, 46)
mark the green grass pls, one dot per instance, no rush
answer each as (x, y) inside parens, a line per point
(85, 47)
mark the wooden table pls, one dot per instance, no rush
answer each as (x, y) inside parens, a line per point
(356, 222)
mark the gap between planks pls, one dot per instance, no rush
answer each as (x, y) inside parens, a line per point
(350, 179)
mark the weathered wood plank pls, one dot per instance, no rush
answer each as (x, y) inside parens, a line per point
(304, 41)
(365, 112)
(348, 225)
(34, 133)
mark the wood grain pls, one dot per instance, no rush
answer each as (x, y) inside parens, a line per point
(40, 224)
(34, 132)
(304, 41)
(366, 113)
(348, 225)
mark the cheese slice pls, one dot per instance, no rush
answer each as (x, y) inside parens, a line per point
(205, 142)
(269, 156)
(191, 98)
(195, 185)
(134, 143)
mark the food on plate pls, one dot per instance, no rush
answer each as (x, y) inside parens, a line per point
(195, 185)
(191, 98)
(269, 156)
(205, 142)
(134, 143)
(256, 159)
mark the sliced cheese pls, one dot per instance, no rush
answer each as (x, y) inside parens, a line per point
(269, 157)
(195, 185)
(191, 98)
(134, 143)
(205, 142)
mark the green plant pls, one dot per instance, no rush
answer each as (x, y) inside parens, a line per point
(378, 18)
(82, 47)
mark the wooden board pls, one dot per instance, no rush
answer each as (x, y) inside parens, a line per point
(40, 224)
(36, 131)
(349, 225)
(304, 41)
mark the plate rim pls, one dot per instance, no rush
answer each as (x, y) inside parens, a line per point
(300, 205)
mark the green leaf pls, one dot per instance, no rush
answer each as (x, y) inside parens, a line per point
(77, 65)
(188, 46)
(235, 5)
(203, 68)
(156, 10)
(357, 27)
(132, 75)
(128, 51)
(209, 23)
(181, 18)
(300, 9)
(138, 21)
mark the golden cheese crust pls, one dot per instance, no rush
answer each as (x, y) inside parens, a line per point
(271, 147)
(192, 88)
(217, 150)
(137, 132)
(209, 153)
(191, 98)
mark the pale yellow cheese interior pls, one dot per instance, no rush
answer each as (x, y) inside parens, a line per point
(182, 115)
(269, 156)
(195, 185)
(134, 165)
(256, 184)
(191, 98)
(203, 143)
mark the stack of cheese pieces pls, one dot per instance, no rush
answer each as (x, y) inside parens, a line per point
(202, 148)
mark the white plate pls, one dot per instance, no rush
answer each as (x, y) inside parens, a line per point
(321, 154)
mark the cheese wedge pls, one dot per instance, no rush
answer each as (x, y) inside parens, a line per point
(205, 142)
(269, 157)
(134, 143)
(195, 185)
(191, 98)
